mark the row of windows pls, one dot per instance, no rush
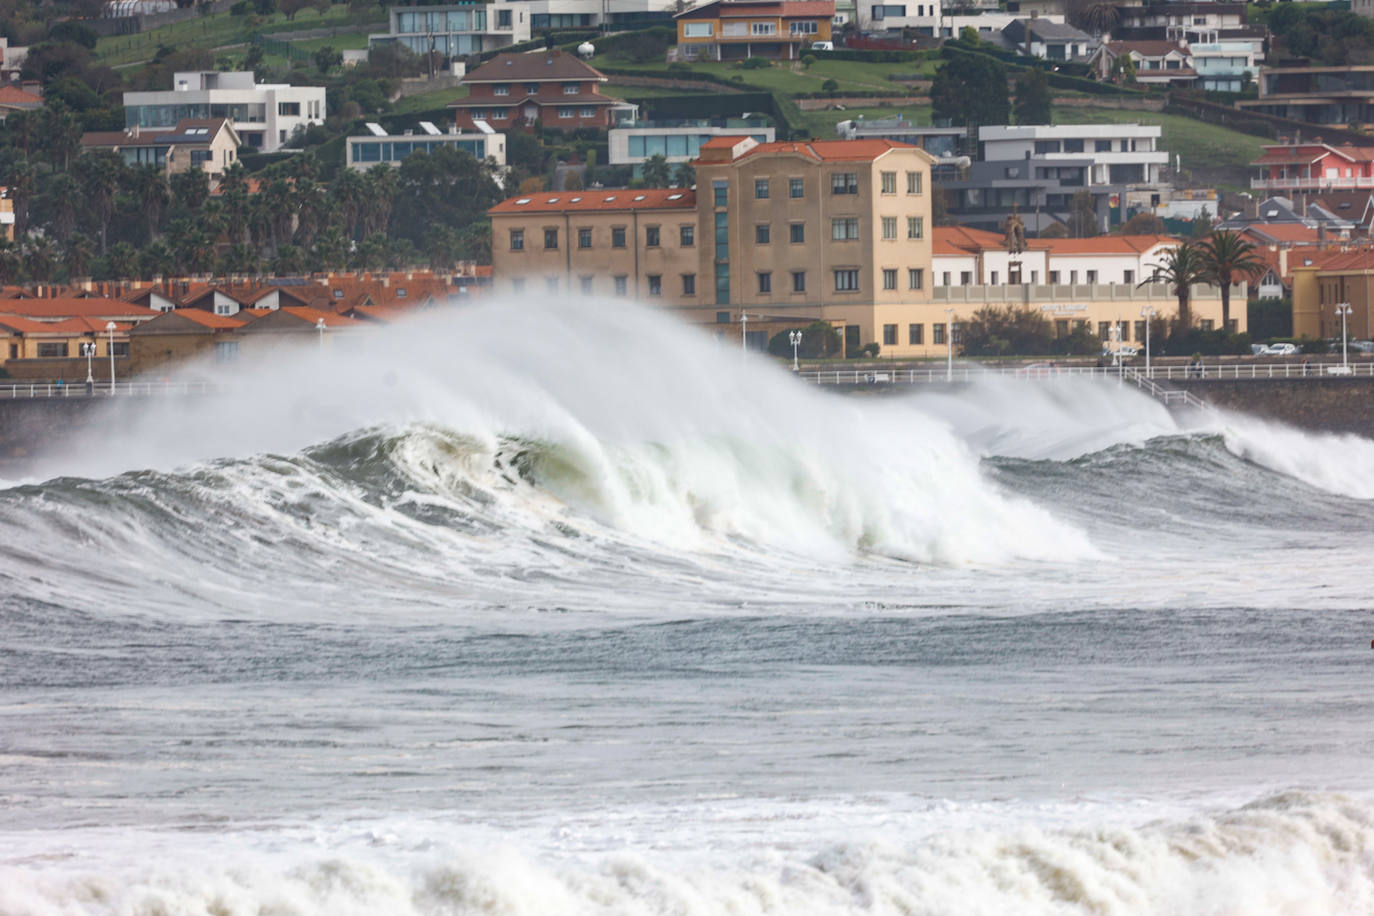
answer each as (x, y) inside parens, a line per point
(653, 237)
(840, 183)
(846, 280)
(1015, 277)
(569, 88)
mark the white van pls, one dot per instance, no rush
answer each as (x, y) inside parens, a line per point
(822, 46)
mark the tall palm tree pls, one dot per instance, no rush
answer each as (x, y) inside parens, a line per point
(1227, 258)
(1180, 267)
(149, 185)
(99, 174)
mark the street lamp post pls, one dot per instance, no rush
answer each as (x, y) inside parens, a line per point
(110, 326)
(1148, 313)
(743, 333)
(796, 338)
(320, 326)
(1343, 309)
(88, 351)
(949, 345)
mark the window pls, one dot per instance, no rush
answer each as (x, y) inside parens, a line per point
(765, 281)
(722, 192)
(762, 234)
(890, 279)
(992, 278)
(687, 236)
(798, 281)
(531, 89)
(956, 333)
(915, 277)
(289, 109)
(500, 89)
(550, 238)
(760, 188)
(1104, 330)
(1073, 146)
(804, 28)
(965, 277)
(1102, 146)
(618, 237)
(765, 28)
(844, 229)
(915, 227)
(621, 282)
(796, 233)
(655, 285)
(689, 284)
(722, 235)
(889, 335)
(915, 334)
(1128, 276)
(913, 183)
(52, 350)
(586, 112)
(844, 183)
(1073, 276)
(572, 88)
(846, 281)
(1054, 276)
(796, 188)
(1092, 276)
(586, 285)
(889, 182)
(722, 317)
(650, 236)
(889, 227)
(503, 19)
(201, 156)
(551, 284)
(944, 279)
(698, 29)
(937, 333)
(584, 238)
(566, 111)
(517, 240)
(517, 285)
(226, 351)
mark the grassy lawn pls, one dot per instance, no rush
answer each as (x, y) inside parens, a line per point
(428, 101)
(821, 124)
(852, 76)
(222, 29)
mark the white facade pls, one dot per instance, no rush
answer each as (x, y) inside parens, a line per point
(1121, 153)
(380, 148)
(1222, 65)
(633, 144)
(923, 15)
(265, 115)
(988, 25)
(454, 31)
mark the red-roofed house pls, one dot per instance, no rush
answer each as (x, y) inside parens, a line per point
(182, 334)
(1314, 166)
(1157, 63)
(739, 29)
(13, 99)
(550, 88)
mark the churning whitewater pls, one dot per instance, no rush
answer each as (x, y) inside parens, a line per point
(550, 610)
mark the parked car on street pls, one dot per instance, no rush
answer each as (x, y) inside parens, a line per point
(1282, 349)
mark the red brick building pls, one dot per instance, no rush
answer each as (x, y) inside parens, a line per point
(550, 88)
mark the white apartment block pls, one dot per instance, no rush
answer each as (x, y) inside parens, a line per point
(377, 147)
(455, 31)
(634, 143)
(1122, 154)
(265, 115)
(923, 16)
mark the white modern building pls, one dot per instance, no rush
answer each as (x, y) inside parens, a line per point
(1121, 154)
(1222, 66)
(677, 141)
(264, 115)
(456, 30)
(377, 147)
(923, 16)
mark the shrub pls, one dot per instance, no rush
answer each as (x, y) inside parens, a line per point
(808, 60)
(869, 350)
(756, 63)
(819, 340)
(830, 85)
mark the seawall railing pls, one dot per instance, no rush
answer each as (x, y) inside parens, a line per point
(969, 373)
(33, 390)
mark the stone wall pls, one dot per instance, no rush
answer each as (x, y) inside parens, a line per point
(1327, 404)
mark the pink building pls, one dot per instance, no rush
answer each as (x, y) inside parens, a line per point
(1314, 166)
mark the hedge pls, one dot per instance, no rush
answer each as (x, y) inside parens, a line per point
(876, 57)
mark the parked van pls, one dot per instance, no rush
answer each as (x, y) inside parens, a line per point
(822, 46)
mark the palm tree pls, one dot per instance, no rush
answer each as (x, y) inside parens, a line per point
(149, 185)
(99, 175)
(1227, 258)
(1180, 267)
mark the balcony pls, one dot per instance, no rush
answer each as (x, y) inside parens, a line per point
(1311, 184)
(1070, 296)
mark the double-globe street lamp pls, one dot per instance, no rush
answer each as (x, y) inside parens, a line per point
(1148, 313)
(110, 326)
(795, 338)
(1343, 309)
(88, 351)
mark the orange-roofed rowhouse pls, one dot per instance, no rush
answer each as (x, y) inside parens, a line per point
(740, 29)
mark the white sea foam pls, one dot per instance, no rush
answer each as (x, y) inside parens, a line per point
(1294, 853)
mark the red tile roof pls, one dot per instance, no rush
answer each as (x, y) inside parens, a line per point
(532, 68)
(13, 95)
(74, 308)
(1281, 232)
(605, 199)
(816, 150)
(1107, 244)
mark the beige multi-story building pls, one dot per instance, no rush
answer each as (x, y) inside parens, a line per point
(797, 231)
(778, 235)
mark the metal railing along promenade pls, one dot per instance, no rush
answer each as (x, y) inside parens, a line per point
(18, 391)
(969, 372)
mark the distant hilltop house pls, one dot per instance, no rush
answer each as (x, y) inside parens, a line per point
(1328, 96)
(1050, 40)
(549, 88)
(264, 115)
(13, 99)
(208, 144)
(740, 29)
(11, 61)
(377, 147)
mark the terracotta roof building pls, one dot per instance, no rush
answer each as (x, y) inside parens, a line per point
(740, 29)
(208, 144)
(550, 88)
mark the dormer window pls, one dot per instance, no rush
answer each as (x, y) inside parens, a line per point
(500, 89)
(338, 294)
(531, 88)
(572, 88)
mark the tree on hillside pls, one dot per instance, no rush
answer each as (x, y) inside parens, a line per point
(1180, 267)
(1083, 215)
(1144, 224)
(1094, 16)
(1033, 99)
(970, 90)
(656, 171)
(1228, 258)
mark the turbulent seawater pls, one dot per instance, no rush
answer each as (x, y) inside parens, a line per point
(539, 609)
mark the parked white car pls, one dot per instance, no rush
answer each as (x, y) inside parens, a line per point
(1282, 349)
